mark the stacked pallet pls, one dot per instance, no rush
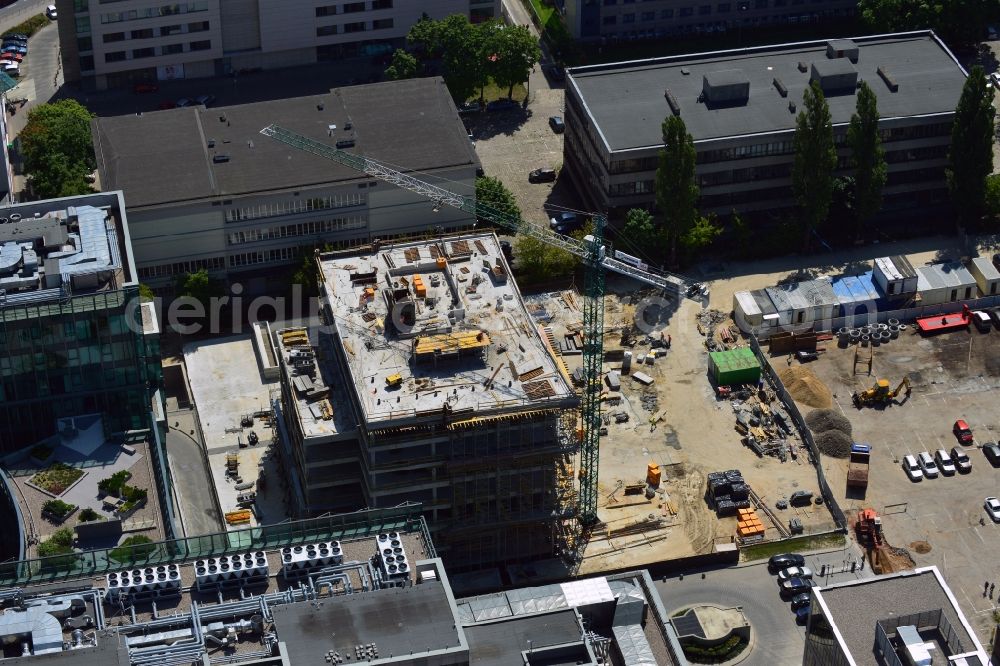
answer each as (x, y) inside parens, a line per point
(748, 525)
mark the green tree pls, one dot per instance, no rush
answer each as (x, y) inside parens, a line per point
(58, 150)
(642, 232)
(539, 261)
(993, 194)
(815, 160)
(676, 188)
(460, 47)
(512, 51)
(404, 66)
(700, 235)
(493, 193)
(867, 157)
(970, 158)
(959, 22)
(307, 274)
(146, 293)
(199, 286)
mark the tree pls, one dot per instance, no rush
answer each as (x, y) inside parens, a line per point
(493, 193)
(512, 51)
(970, 158)
(867, 157)
(676, 189)
(641, 231)
(815, 160)
(993, 195)
(146, 293)
(959, 22)
(459, 44)
(700, 235)
(58, 150)
(198, 286)
(308, 273)
(404, 66)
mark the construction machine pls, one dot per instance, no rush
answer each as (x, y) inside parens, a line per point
(869, 529)
(880, 394)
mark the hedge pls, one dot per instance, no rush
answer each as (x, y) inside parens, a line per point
(30, 26)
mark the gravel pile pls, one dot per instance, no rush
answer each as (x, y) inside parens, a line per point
(831, 432)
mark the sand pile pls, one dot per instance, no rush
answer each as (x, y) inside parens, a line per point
(805, 387)
(831, 431)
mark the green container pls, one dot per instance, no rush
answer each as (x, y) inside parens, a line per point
(735, 366)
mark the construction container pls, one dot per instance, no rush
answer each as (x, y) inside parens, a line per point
(822, 303)
(986, 275)
(613, 380)
(653, 474)
(394, 380)
(895, 277)
(746, 311)
(734, 366)
(418, 287)
(945, 283)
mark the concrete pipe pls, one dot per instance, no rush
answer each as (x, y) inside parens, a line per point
(865, 340)
(902, 327)
(893, 322)
(894, 332)
(876, 340)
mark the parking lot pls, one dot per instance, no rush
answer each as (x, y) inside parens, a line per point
(939, 520)
(512, 143)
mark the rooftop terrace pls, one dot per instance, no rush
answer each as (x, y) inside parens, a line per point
(428, 327)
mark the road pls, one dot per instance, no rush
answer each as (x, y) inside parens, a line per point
(21, 11)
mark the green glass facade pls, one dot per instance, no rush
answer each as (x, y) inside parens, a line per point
(77, 356)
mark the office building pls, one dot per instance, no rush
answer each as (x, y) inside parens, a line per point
(362, 588)
(116, 44)
(903, 618)
(740, 108)
(431, 382)
(74, 338)
(624, 20)
(206, 190)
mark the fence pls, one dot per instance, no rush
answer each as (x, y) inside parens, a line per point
(404, 518)
(793, 411)
(868, 314)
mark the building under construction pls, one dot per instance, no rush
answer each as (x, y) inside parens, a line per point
(431, 382)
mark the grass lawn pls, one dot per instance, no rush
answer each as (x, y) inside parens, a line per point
(492, 91)
(57, 478)
(797, 545)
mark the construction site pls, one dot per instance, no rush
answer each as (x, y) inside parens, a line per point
(902, 398)
(450, 394)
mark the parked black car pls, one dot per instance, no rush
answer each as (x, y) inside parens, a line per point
(795, 586)
(801, 600)
(992, 453)
(785, 560)
(542, 176)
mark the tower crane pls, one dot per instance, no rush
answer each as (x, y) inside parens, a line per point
(591, 250)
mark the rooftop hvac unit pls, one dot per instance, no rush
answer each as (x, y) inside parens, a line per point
(392, 556)
(153, 581)
(300, 560)
(231, 569)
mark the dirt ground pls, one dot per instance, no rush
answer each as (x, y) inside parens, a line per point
(695, 435)
(941, 520)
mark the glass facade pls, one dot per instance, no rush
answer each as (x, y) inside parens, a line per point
(82, 355)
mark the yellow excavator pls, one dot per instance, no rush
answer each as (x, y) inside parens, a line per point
(880, 394)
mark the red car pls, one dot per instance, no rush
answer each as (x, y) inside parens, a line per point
(963, 432)
(145, 88)
(11, 55)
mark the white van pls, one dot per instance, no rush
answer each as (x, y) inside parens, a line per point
(912, 468)
(927, 464)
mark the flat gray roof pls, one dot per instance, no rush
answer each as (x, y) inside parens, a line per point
(627, 103)
(164, 157)
(401, 621)
(501, 643)
(470, 325)
(857, 606)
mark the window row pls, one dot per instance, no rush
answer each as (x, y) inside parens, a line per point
(746, 175)
(352, 8)
(151, 51)
(291, 207)
(211, 264)
(300, 229)
(281, 254)
(347, 28)
(154, 12)
(150, 33)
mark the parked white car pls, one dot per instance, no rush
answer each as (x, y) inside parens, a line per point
(944, 462)
(912, 468)
(795, 572)
(992, 506)
(927, 465)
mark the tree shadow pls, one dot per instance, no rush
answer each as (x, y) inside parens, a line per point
(488, 124)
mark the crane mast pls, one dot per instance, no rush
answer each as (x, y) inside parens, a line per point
(591, 250)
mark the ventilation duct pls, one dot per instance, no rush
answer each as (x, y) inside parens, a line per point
(842, 48)
(729, 87)
(835, 76)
